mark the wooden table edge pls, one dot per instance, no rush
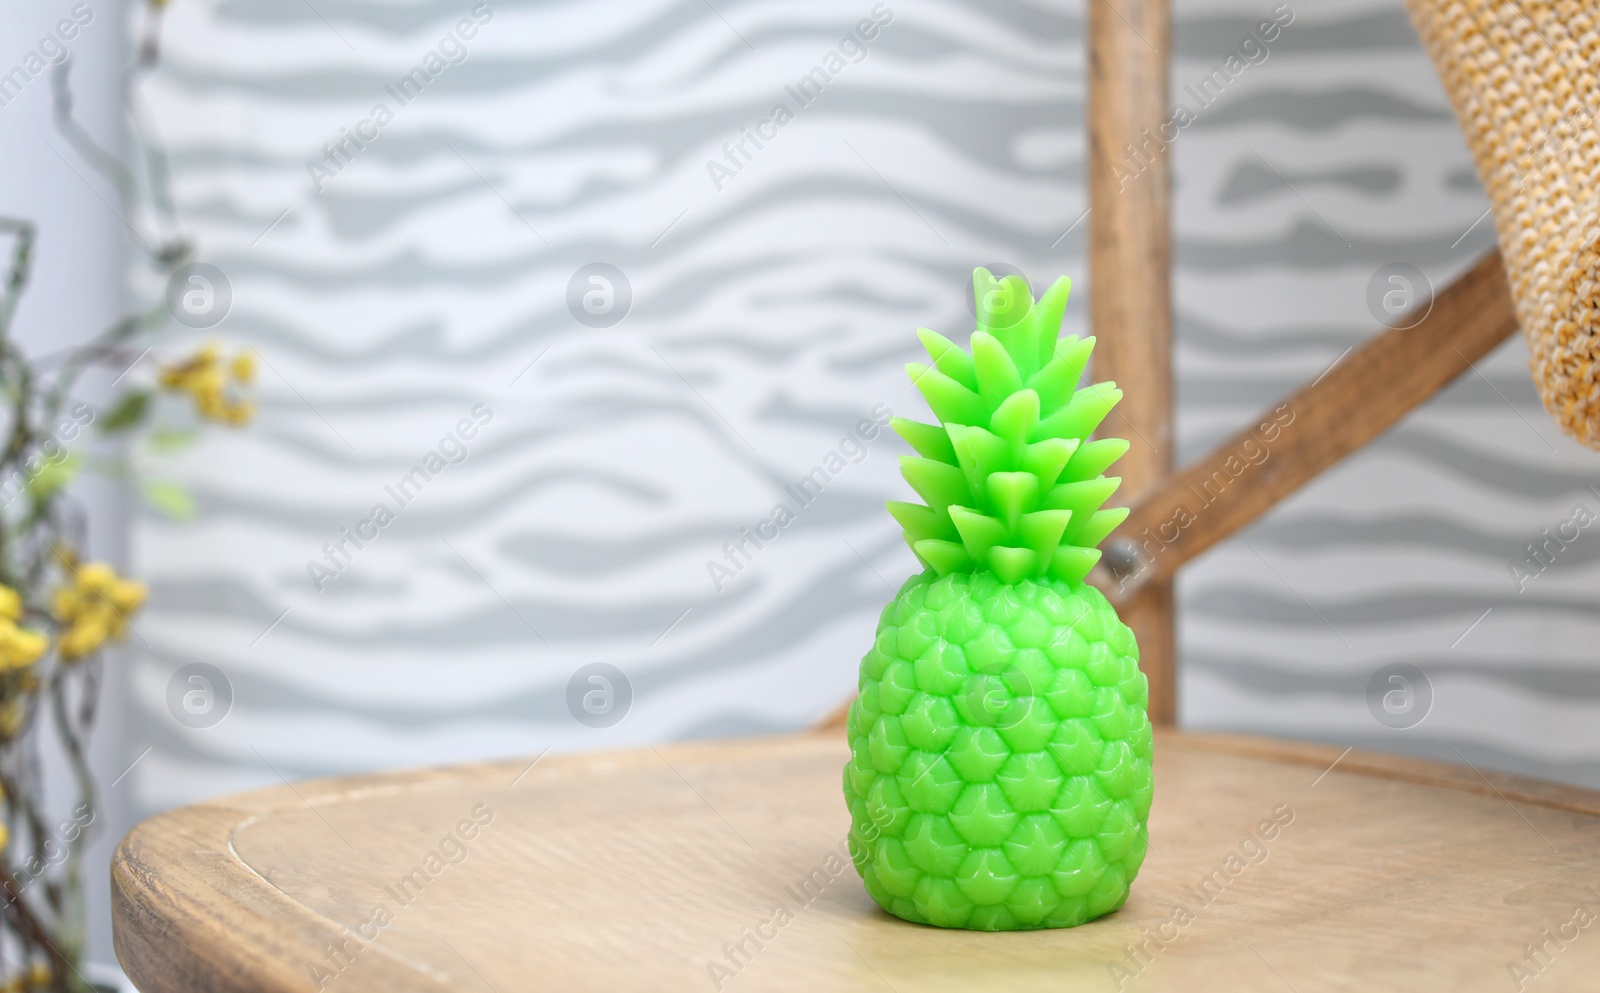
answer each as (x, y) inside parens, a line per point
(178, 883)
(1426, 772)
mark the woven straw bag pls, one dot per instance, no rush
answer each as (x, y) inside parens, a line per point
(1522, 79)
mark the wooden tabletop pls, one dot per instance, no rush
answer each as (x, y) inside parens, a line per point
(646, 870)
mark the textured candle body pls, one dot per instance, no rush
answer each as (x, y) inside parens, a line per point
(1000, 772)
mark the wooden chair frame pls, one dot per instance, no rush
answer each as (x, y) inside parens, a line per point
(1130, 261)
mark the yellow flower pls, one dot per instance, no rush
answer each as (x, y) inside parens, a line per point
(217, 390)
(11, 719)
(81, 638)
(94, 608)
(173, 377)
(18, 648)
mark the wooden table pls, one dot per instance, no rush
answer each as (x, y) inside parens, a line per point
(642, 871)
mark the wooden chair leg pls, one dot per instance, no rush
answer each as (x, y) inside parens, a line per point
(1130, 261)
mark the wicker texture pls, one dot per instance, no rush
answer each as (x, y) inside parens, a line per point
(1522, 79)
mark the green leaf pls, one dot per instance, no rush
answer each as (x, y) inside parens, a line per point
(1012, 494)
(927, 440)
(997, 373)
(949, 358)
(1016, 329)
(169, 498)
(1015, 419)
(944, 557)
(1042, 530)
(921, 523)
(939, 484)
(1047, 458)
(54, 476)
(1002, 306)
(978, 452)
(128, 413)
(1078, 419)
(1071, 563)
(1093, 458)
(1008, 469)
(168, 440)
(1058, 380)
(1047, 314)
(1101, 524)
(1010, 564)
(1083, 498)
(979, 532)
(951, 402)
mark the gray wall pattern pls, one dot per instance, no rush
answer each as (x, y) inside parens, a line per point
(431, 274)
(1337, 156)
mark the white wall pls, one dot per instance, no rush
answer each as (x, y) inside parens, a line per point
(76, 290)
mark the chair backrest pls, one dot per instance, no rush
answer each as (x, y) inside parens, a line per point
(1129, 266)
(1520, 77)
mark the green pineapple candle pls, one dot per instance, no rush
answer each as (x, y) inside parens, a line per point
(999, 773)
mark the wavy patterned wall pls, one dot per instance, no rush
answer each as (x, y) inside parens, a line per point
(430, 275)
(1336, 157)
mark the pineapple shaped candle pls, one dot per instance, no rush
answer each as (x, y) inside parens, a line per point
(999, 773)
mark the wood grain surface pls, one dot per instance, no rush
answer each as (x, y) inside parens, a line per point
(643, 870)
(1130, 282)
